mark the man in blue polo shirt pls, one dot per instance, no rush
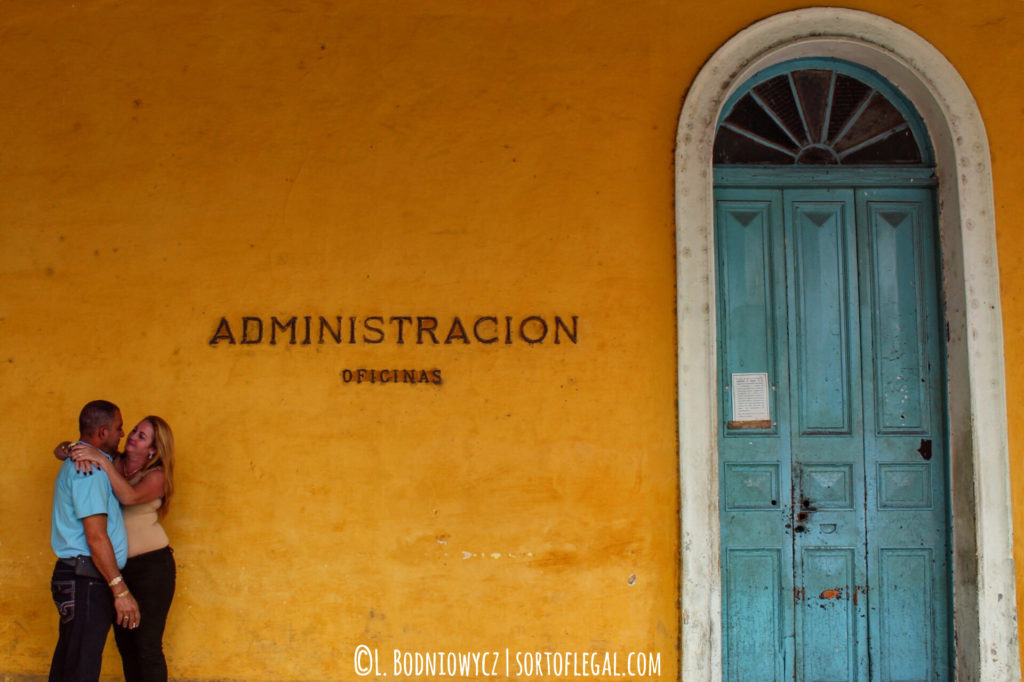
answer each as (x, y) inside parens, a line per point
(87, 535)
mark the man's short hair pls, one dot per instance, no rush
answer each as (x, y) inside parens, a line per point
(95, 415)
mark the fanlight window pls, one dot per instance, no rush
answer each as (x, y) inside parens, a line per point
(815, 117)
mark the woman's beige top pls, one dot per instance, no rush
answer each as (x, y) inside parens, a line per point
(145, 534)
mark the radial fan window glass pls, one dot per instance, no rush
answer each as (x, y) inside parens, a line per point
(815, 117)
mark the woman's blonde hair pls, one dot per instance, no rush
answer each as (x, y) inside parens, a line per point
(163, 441)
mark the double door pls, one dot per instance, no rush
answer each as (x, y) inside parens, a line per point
(833, 466)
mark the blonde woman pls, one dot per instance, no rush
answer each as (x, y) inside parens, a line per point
(142, 478)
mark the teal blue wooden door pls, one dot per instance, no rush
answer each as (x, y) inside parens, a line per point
(833, 483)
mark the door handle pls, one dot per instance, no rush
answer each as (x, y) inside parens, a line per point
(926, 449)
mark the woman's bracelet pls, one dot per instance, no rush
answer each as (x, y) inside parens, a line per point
(121, 594)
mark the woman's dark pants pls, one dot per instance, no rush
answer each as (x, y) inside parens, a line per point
(150, 577)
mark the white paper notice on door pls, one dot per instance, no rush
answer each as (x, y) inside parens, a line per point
(750, 399)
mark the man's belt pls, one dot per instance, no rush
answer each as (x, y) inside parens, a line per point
(83, 566)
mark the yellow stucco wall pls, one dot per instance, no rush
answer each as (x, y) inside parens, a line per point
(165, 165)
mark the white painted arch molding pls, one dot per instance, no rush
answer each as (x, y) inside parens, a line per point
(985, 618)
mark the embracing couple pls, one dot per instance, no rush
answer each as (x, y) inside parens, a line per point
(114, 563)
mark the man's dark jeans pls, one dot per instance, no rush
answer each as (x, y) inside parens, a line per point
(86, 608)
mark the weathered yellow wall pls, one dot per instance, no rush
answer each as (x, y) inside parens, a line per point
(167, 164)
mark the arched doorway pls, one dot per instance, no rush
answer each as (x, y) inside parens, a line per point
(832, 440)
(984, 619)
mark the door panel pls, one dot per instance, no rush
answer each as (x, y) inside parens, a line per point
(827, 442)
(907, 486)
(827, 620)
(899, 280)
(834, 514)
(905, 614)
(823, 308)
(757, 635)
(755, 579)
